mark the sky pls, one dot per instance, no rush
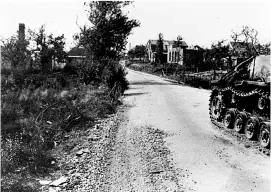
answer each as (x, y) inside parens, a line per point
(198, 22)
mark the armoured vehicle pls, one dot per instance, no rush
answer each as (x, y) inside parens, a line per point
(240, 100)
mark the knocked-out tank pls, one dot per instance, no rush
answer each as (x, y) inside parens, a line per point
(240, 100)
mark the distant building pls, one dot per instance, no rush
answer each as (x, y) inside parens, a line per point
(76, 54)
(172, 53)
(152, 49)
(176, 52)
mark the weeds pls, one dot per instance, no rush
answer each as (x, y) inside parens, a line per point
(38, 108)
(176, 72)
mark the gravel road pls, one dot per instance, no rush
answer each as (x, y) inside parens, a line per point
(167, 143)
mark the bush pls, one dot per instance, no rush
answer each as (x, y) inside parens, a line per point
(5, 72)
(44, 106)
(115, 79)
(176, 72)
(196, 81)
(70, 69)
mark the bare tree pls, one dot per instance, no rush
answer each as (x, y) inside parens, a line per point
(249, 40)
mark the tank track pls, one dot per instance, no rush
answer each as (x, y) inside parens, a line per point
(239, 93)
(247, 94)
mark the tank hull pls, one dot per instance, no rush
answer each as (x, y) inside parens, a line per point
(241, 101)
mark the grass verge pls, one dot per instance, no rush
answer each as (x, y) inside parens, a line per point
(38, 109)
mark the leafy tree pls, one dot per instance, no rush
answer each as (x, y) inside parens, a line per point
(131, 54)
(48, 48)
(138, 51)
(159, 54)
(104, 41)
(245, 45)
(107, 37)
(264, 48)
(178, 41)
(44, 48)
(15, 51)
(215, 54)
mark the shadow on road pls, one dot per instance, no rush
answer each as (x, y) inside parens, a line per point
(153, 83)
(134, 94)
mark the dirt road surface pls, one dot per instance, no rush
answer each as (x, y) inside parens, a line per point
(167, 143)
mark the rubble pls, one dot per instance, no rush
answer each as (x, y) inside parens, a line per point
(83, 164)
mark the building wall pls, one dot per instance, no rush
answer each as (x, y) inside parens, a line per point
(151, 54)
(175, 55)
(170, 54)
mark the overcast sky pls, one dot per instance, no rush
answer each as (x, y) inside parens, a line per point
(198, 22)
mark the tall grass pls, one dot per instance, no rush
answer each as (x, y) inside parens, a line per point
(38, 108)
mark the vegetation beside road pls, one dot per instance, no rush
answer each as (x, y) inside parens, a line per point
(35, 118)
(41, 104)
(178, 73)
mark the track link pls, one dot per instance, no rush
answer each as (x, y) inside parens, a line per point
(239, 93)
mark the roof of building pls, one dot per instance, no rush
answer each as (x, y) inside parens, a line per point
(77, 52)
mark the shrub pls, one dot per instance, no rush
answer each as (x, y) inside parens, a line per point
(115, 79)
(5, 72)
(70, 69)
(44, 106)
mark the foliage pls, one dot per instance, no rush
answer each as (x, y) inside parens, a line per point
(217, 52)
(106, 38)
(115, 80)
(242, 46)
(197, 81)
(35, 117)
(38, 108)
(178, 41)
(48, 48)
(177, 73)
(39, 46)
(214, 56)
(139, 51)
(15, 51)
(248, 39)
(104, 42)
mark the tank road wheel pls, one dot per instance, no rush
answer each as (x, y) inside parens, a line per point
(251, 127)
(262, 103)
(240, 122)
(264, 136)
(229, 118)
(215, 107)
